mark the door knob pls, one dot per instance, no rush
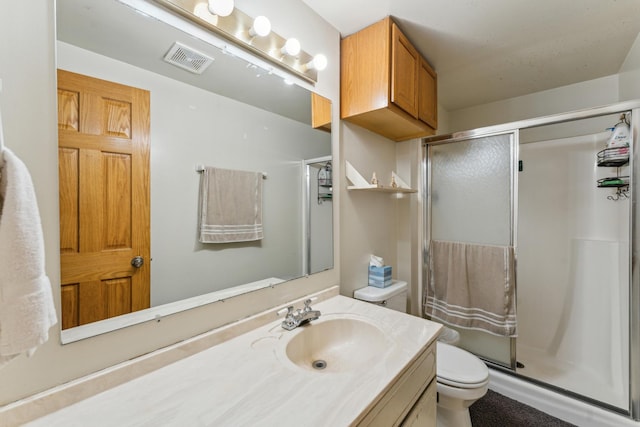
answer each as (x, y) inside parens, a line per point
(137, 261)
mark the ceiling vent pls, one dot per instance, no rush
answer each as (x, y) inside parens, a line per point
(187, 58)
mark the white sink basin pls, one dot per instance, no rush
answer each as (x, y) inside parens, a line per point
(336, 345)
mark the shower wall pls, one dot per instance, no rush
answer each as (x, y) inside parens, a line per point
(573, 270)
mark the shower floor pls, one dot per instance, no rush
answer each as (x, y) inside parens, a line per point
(540, 366)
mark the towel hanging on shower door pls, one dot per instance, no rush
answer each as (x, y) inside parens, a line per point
(472, 286)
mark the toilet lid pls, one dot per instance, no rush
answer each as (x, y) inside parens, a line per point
(459, 368)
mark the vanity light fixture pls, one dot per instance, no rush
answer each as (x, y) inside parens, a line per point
(291, 47)
(221, 7)
(319, 62)
(261, 27)
(246, 34)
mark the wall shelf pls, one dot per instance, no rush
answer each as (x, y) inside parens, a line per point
(382, 189)
(360, 184)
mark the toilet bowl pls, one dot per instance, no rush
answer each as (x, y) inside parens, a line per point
(461, 377)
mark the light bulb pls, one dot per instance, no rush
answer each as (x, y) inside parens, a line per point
(200, 10)
(261, 27)
(319, 62)
(291, 47)
(221, 7)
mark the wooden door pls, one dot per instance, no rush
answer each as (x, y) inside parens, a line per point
(404, 72)
(428, 94)
(103, 143)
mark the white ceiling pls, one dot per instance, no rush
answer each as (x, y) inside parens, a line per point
(488, 50)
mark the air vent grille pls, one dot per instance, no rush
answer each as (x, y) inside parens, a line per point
(187, 58)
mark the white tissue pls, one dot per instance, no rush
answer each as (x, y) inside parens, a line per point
(376, 261)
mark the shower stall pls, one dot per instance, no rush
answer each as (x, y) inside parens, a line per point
(551, 189)
(317, 212)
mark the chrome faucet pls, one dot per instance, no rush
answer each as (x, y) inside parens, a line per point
(299, 317)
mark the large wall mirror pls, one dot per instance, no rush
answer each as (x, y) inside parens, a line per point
(234, 115)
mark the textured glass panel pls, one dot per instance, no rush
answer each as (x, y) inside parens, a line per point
(471, 202)
(471, 191)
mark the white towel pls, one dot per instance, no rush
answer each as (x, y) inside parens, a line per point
(472, 286)
(27, 310)
(230, 206)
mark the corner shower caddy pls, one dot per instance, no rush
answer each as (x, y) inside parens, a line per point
(325, 183)
(615, 157)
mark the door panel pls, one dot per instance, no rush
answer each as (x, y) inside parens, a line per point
(471, 194)
(68, 161)
(428, 98)
(404, 71)
(103, 135)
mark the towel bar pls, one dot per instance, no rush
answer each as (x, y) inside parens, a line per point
(200, 168)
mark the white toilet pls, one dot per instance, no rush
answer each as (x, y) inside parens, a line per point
(461, 377)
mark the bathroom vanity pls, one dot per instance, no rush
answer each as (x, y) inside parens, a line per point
(358, 364)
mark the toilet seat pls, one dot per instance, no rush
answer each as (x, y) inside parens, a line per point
(458, 368)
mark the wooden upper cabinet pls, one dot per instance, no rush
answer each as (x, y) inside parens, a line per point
(428, 88)
(386, 85)
(320, 112)
(405, 61)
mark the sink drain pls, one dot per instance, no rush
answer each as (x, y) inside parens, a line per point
(319, 364)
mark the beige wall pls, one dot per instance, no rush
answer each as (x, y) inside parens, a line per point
(382, 224)
(28, 103)
(630, 74)
(369, 218)
(578, 96)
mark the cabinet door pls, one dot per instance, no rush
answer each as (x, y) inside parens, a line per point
(428, 94)
(423, 413)
(404, 72)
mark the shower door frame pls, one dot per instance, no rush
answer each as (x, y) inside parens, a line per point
(513, 184)
(633, 410)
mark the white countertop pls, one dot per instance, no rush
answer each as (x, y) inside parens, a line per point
(248, 381)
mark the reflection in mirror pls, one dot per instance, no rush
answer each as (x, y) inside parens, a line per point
(234, 115)
(319, 194)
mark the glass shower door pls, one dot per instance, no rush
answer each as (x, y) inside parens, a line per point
(470, 192)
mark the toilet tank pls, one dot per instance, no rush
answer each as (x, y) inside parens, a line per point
(393, 296)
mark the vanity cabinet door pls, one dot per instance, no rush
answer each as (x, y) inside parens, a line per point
(404, 72)
(401, 398)
(423, 413)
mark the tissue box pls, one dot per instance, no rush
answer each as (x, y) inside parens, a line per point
(380, 277)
